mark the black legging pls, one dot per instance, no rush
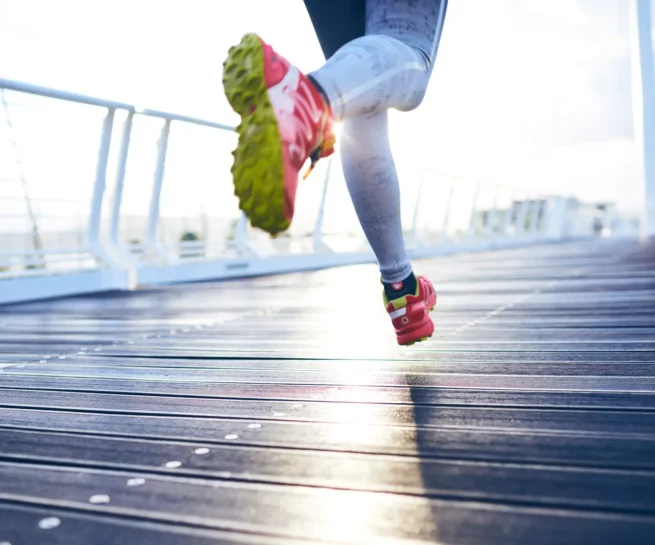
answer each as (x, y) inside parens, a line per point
(337, 22)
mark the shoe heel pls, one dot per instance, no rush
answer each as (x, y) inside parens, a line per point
(243, 74)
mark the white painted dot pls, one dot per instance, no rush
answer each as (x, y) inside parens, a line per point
(97, 349)
(82, 352)
(231, 436)
(173, 464)
(202, 451)
(136, 481)
(99, 499)
(298, 405)
(254, 426)
(49, 523)
(40, 361)
(279, 414)
(61, 357)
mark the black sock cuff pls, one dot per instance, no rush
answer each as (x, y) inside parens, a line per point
(319, 87)
(408, 287)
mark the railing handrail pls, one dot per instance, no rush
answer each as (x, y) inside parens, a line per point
(32, 89)
(168, 116)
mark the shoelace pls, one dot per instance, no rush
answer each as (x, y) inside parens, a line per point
(317, 154)
(325, 148)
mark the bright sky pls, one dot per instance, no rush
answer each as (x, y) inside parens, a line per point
(534, 93)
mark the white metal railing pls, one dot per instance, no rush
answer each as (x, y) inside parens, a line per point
(97, 195)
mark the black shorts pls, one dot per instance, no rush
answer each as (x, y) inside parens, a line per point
(337, 22)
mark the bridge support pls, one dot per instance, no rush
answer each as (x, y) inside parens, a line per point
(643, 104)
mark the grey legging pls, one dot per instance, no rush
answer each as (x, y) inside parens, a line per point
(389, 67)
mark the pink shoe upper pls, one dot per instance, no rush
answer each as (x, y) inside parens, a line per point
(304, 120)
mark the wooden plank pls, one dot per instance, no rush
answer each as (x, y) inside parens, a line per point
(241, 355)
(20, 523)
(311, 513)
(611, 450)
(623, 490)
(544, 392)
(353, 376)
(365, 414)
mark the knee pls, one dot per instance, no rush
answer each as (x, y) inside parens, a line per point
(415, 99)
(418, 87)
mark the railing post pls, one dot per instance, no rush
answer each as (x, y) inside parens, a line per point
(555, 217)
(319, 245)
(534, 215)
(414, 236)
(492, 216)
(128, 261)
(99, 191)
(522, 215)
(153, 215)
(120, 179)
(508, 227)
(643, 106)
(241, 243)
(449, 203)
(473, 223)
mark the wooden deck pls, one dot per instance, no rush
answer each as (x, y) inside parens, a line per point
(280, 411)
